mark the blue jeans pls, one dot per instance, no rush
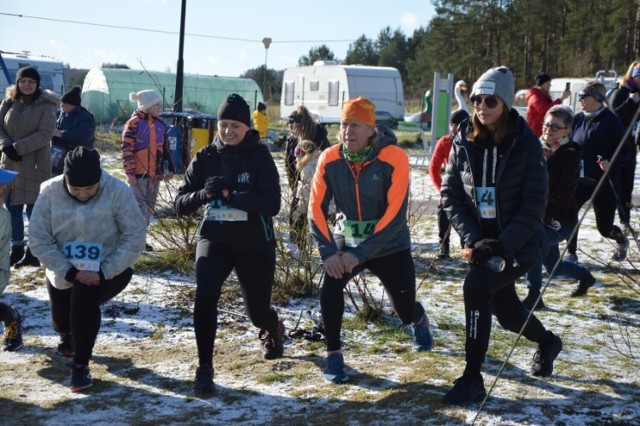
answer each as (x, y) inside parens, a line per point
(17, 222)
(568, 269)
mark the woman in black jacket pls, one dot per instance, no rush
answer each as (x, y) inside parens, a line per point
(237, 181)
(495, 192)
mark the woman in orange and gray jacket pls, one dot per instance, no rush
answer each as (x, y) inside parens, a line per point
(369, 181)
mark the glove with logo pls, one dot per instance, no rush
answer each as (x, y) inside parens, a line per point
(485, 249)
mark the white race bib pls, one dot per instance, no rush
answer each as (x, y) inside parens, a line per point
(486, 199)
(220, 211)
(84, 256)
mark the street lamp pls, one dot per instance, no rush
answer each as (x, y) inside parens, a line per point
(267, 42)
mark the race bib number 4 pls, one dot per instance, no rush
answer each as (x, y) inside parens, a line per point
(355, 231)
(486, 199)
(84, 256)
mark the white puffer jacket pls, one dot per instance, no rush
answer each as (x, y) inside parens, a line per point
(111, 218)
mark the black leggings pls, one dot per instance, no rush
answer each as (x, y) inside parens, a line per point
(486, 293)
(627, 179)
(398, 276)
(604, 208)
(77, 310)
(255, 271)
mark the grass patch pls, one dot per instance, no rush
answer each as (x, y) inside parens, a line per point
(167, 260)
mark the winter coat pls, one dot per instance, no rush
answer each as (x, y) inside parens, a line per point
(521, 190)
(564, 171)
(376, 191)
(261, 123)
(111, 218)
(29, 127)
(253, 184)
(538, 103)
(142, 156)
(78, 128)
(5, 247)
(598, 136)
(625, 108)
(440, 156)
(321, 141)
(303, 186)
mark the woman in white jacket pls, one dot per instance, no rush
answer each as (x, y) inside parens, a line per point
(87, 230)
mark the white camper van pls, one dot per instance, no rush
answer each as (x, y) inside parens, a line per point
(51, 71)
(608, 78)
(324, 87)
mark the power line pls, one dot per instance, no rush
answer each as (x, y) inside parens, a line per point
(150, 30)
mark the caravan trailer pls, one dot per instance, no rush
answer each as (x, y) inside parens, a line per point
(324, 87)
(51, 71)
(608, 78)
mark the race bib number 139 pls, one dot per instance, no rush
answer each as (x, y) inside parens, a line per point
(84, 256)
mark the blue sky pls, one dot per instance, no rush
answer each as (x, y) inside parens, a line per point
(294, 27)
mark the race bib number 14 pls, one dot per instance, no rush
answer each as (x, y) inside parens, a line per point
(356, 231)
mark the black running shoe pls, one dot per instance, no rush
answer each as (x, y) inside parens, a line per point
(66, 347)
(13, 334)
(466, 389)
(204, 380)
(273, 342)
(583, 285)
(544, 357)
(80, 377)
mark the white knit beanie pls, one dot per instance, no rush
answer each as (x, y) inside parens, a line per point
(145, 98)
(496, 81)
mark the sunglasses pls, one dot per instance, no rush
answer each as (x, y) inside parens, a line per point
(553, 127)
(582, 96)
(490, 101)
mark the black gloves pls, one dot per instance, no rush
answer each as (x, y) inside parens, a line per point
(10, 151)
(214, 186)
(485, 249)
(70, 275)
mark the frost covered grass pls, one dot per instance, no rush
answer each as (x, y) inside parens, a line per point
(145, 357)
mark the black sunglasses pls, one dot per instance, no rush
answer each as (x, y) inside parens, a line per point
(490, 101)
(553, 127)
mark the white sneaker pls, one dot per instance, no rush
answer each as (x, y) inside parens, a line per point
(621, 251)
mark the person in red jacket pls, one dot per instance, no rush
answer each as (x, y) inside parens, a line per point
(439, 159)
(539, 101)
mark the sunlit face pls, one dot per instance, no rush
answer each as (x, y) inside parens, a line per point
(27, 86)
(355, 134)
(231, 132)
(154, 110)
(589, 103)
(551, 123)
(66, 108)
(488, 108)
(83, 193)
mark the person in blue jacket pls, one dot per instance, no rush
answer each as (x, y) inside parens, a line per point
(236, 181)
(75, 126)
(599, 131)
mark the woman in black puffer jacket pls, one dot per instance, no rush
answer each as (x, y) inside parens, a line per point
(495, 193)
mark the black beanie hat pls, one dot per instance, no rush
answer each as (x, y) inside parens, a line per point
(458, 116)
(235, 108)
(542, 79)
(28, 72)
(72, 96)
(82, 167)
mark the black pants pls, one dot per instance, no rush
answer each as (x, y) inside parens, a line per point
(444, 230)
(627, 178)
(398, 276)
(604, 208)
(486, 293)
(77, 310)
(255, 271)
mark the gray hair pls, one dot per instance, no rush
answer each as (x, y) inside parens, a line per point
(561, 112)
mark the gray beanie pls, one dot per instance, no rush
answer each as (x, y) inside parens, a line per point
(497, 81)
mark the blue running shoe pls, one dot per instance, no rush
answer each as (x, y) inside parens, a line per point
(334, 368)
(422, 338)
(80, 378)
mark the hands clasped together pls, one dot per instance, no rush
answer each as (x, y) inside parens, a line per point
(340, 263)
